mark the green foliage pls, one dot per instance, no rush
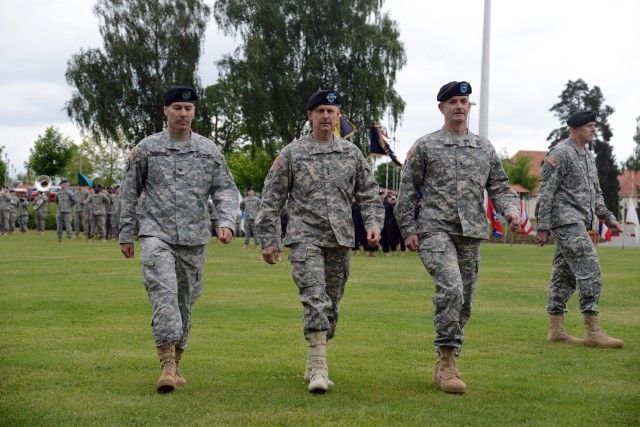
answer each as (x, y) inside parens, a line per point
(578, 96)
(51, 153)
(148, 47)
(387, 175)
(291, 48)
(518, 172)
(249, 167)
(221, 108)
(633, 162)
(78, 349)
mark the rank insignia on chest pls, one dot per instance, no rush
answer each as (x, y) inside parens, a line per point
(133, 153)
(552, 161)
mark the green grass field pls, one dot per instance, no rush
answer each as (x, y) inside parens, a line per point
(76, 346)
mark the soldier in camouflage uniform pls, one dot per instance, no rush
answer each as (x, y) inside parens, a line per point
(40, 207)
(65, 201)
(99, 203)
(569, 200)
(80, 221)
(452, 168)
(5, 214)
(250, 205)
(178, 170)
(14, 205)
(316, 176)
(23, 216)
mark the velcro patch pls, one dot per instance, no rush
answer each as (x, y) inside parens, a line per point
(277, 164)
(552, 161)
(133, 153)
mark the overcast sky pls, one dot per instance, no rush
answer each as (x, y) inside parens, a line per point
(536, 48)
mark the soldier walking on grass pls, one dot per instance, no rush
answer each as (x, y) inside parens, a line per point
(569, 200)
(178, 170)
(316, 176)
(452, 168)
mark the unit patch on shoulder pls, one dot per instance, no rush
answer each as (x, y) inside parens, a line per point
(410, 154)
(552, 161)
(133, 153)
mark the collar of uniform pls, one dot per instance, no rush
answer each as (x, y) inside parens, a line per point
(469, 139)
(580, 151)
(315, 148)
(172, 144)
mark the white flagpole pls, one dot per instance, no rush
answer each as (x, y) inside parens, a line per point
(483, 130)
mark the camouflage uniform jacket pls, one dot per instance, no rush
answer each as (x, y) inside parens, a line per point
(23, 209)
(14, 203)
(4, 201)
(250, 206)
(177, 182)
(65, 201)
(452, 179)
(569, 192)
(43, 204)
(99, 203)
(317, 184)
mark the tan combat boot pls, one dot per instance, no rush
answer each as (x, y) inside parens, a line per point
(167, 381)
(594, 336)
(319, 375)
(180, 381)
(307, 371)
(448, 378)
(557, 332)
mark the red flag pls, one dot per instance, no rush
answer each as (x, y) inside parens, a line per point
(526, 224)
(493, 217)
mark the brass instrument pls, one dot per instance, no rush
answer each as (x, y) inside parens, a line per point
(42, 184)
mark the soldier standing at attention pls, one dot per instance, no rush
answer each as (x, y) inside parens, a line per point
(115, 208)
(14, 206)
(99, 202)
(65, 201)
(178, 170)
(316, 176)
(569, 200)
(452, 168)
(4, 210)
(40, 207)
(23, 216)
(250, 205)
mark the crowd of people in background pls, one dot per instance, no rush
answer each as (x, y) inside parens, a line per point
(90, 212)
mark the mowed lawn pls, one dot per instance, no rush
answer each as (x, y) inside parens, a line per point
(76, 346)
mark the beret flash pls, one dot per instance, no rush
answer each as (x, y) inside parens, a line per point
(452, 89)
(580, 118)
(325, 97)
(179, 94)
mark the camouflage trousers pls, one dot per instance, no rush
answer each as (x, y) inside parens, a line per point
(172, 276)
(575, 264)
(4, 221)
(453, 263)
(98, 226)
(250, 231)
(78, 221)
(24, 220)
(41, 215)
(320, 274)
(63, 219)
(12, 221)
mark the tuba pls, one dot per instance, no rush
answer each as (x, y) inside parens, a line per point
(42, 184)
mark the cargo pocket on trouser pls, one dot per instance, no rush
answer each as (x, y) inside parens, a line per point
(308, 272)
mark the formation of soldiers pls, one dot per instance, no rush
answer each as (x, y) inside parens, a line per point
(91, 212)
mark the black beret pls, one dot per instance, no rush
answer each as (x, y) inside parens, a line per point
(325, 97)
(179, 94)
(452, 89)
(580, 118)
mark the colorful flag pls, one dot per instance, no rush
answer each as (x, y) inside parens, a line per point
(344, 128)
(604, 231)
(380, 144)
(632, 217)
(524, 219)
(83, 181)
(496, 226)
